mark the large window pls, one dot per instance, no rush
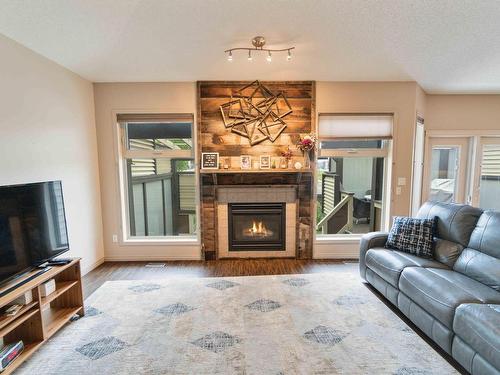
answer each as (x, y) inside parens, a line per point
(352, 173)
(158, 175)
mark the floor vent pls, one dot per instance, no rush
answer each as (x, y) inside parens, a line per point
(155, 265)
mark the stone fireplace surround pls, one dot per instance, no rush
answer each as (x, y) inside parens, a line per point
(292, 187)
(257, 194)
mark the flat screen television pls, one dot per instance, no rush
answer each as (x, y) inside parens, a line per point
(32, 227)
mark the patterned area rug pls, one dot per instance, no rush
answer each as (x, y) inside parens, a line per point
(292, 324)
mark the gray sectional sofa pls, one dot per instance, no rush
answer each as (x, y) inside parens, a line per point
(455, 297)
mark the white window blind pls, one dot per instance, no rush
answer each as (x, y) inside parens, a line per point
(332, 126)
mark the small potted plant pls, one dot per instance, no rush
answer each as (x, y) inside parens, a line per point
(307, 145)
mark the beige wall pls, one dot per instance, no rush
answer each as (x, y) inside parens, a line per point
(399, 98)
(112, 98)
(48, 132)
(463, 112)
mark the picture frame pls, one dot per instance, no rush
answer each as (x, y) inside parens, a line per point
(209, 160)
(246, 162)
(265, 162)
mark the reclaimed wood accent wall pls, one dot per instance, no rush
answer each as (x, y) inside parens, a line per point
(213, 136)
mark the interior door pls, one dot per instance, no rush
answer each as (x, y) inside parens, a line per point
(446, 163)
(487, 179)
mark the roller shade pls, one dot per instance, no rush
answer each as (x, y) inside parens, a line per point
(332, 126)
(155, 117)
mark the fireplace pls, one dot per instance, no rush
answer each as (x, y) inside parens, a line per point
(257, 226)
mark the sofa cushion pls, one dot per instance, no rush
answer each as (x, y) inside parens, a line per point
(447, 252)
(481, 260)
(441, 291)
(414, 236)
(389, 264)
(479, 327)
(455, 222)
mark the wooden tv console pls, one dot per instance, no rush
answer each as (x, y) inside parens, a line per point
(36, 322)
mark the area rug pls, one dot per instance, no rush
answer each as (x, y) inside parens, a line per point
(327, 323)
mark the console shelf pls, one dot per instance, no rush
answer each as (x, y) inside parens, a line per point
(61, 287)
(39, 320)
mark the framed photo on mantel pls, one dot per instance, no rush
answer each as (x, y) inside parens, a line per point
(265, 162)
(246, 162)
(209, 160)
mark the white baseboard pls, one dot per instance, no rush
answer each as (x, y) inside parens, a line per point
(150, 258)
(343, 249)
(85, 270)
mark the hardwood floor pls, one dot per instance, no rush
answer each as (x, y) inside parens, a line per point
(215, 268)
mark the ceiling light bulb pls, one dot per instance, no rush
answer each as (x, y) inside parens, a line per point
(289, 57)
(269, 58)
(230, 56)
(249, 55)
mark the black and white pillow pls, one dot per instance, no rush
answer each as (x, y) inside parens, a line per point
(414, 236)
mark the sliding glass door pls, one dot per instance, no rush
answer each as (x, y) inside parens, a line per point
(446, 171)
(463, 170)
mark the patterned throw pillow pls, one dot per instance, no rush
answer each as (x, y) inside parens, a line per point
(414, 236)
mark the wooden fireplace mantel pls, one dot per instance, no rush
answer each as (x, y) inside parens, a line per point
(264, 171)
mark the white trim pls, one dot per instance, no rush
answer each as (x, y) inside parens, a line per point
(338, 238)
(158, 241)
(463, 133)
(320, 240)
(122, 197)
(341, 248)
(91, 267)
(353, 153)
(151, 258)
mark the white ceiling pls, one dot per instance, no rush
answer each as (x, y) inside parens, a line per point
(445, 45)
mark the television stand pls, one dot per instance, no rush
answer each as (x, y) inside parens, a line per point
(39, 320)
(41, 271)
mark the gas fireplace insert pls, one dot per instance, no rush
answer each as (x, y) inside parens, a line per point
(256, 226)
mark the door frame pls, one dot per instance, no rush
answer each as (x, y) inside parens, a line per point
(464, 146)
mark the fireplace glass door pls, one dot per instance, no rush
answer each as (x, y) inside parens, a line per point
(256, 226)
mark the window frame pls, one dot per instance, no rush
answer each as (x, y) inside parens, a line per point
(124, 153)
(385, 152)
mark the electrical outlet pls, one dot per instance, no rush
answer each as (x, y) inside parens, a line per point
(115, 238)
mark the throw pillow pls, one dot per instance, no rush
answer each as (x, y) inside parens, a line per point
(414, 236)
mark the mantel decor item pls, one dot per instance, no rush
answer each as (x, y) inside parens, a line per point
(265, 162)
(256, 113)
(246, 162)
(307, 145)
(209, 160)
(258, 43)
(286, 157)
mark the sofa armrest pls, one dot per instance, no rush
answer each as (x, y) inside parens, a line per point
(369, 241)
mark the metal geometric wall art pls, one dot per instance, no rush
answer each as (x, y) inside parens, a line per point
(255, 113)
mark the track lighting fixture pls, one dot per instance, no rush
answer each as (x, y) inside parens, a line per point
(258, 45)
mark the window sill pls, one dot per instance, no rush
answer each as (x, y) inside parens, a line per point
(346, 238)
(159, 241)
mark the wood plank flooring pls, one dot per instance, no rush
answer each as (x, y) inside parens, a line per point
(216, 268)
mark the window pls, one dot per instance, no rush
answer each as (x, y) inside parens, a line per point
(352, 173)
(159, 175)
